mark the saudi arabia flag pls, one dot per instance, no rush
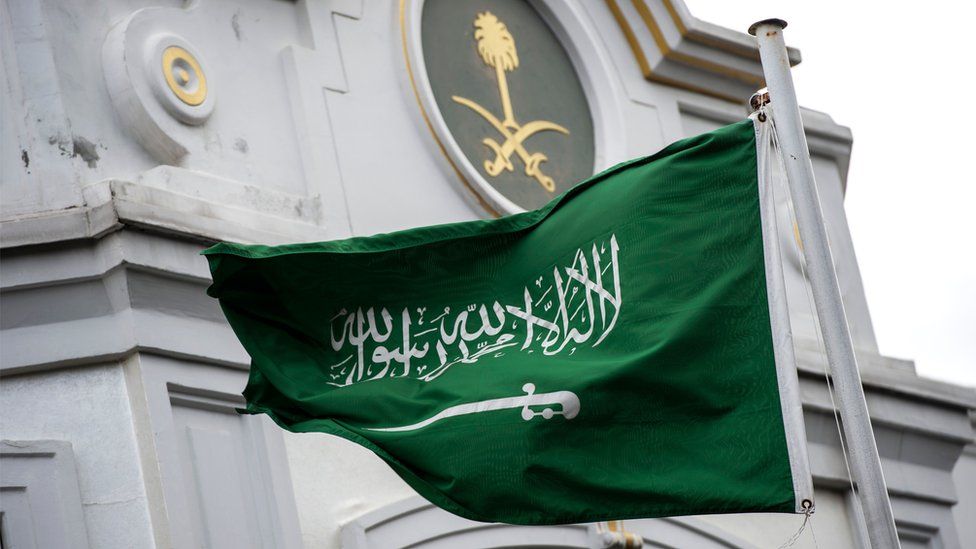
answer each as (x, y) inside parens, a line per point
(622, 352)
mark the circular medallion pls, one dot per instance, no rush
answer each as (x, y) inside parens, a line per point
(184, 76)
(510, 99)
(179, 78)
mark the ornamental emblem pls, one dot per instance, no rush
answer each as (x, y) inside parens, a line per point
(514, 121)
(496, 46)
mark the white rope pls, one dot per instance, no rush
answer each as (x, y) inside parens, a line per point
(807, 515)
(820, 344)
(814, 534)
(797, 246)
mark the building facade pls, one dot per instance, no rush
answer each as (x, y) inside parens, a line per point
(136, 133)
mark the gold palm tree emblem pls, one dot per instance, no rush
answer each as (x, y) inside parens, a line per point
(497, 49)
(496, 46)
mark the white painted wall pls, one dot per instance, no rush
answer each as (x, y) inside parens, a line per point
(88, 407)
(335, 482)
(964, 476)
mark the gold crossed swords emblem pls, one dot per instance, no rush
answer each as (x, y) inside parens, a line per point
(497, 49)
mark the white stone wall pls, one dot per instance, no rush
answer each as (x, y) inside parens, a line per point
(89, 407)
(336, 482)
(964, 476)
(108, 343)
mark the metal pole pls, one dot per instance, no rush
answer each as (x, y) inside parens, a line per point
(864, 460)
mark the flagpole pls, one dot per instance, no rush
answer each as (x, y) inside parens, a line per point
(863, 450)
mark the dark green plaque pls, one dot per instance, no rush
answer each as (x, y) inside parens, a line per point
(509, 95)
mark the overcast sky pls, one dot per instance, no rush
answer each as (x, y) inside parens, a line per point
(903, 81)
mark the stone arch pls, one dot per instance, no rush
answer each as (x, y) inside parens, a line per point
(417, 524)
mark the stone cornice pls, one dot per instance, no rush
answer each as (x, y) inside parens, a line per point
(191, 204)
(674, 48)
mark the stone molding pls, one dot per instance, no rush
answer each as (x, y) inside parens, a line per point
(674, 48)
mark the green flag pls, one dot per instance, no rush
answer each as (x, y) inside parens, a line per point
(611, 355)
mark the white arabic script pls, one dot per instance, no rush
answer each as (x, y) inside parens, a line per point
(574, 305)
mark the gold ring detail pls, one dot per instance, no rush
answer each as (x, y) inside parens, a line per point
(184, 76)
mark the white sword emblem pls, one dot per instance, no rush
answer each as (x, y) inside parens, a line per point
(568, 401)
